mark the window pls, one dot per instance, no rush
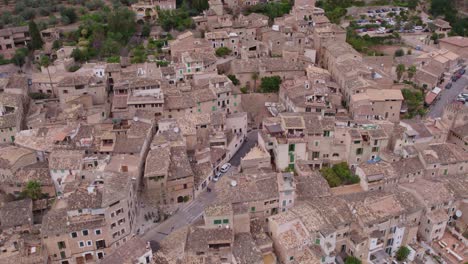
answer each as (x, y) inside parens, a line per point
(375, 149)
(217, 222)
(317, 241)
(98, 231)
(252, 209)
(85, 232)
(74, 235)
(359, 151)
(326, 133)
(62, 254)
(291, 258)
(292, 147)
(89, 243)
(213, 108)
(61, 245)
(225, 221)
(316, 143)
(357, 142)
(81, 244)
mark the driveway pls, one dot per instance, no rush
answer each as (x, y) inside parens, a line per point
(447, 96)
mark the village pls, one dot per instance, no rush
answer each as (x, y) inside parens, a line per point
(233, 132)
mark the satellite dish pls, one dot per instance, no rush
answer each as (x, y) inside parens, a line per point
(233, 183)
(135, 119)
(458, 213)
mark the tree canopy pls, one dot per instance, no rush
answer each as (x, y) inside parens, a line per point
(339, 174)
(32, 190)
(270, 84)
(36, 40)
(352, 260)
(402, 253)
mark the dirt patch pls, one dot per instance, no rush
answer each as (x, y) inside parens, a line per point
(390, 49)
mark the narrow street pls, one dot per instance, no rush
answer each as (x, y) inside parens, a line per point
(447, 96)
(186, 214)
(190, 212)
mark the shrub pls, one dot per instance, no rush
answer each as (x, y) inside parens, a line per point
(402, 253)
(399, 53)
(270, 84)
(243, 90)
(38, 96)
(233, 79)
(223, 51)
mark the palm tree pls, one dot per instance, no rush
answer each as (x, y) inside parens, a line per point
(45, 62)
(255, 78)
(400, 69)
(32, 190)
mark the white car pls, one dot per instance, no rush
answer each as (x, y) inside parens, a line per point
(225, 167)
(418, 28)
(217, 176)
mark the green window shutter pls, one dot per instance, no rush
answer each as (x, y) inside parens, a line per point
(235, 104)
(252, 209)
(235, 96)
(213, 108)
(317, 241)
(225, 221)
(217, 222)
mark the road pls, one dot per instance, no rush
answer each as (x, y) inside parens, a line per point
(186, 214)
(190, 212)
(252, 137)
(447, 96)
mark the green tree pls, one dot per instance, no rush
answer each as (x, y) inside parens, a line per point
(121, 21)
(32, 190)
(402, 253)
(270, 84)
(45, 62)
(56, 45)
(146, 30)
(399, 53)
(255, 77)
(233, 79)
(36, 40)
(78, 55)
(68, 15)
(223, 51)
(20, 57)
(400, 69)
(411, 71)
(352, 260)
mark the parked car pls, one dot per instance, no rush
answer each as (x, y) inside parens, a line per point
(461, 71)
(225, 167)
(455, 78)
(448, 86)
(217, 176)
(418, 28)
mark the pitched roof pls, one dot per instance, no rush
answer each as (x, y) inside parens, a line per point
(16, 213)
